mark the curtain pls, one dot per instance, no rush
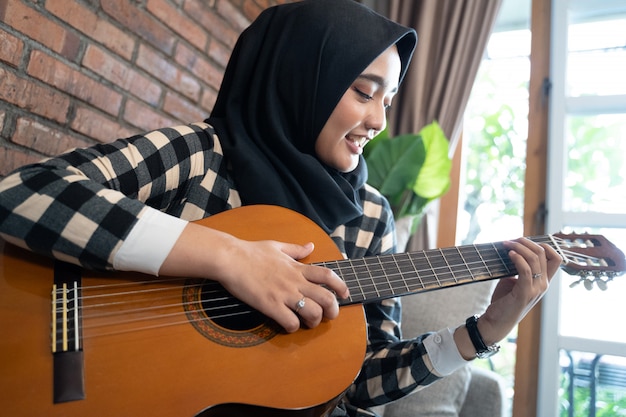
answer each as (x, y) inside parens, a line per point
(452, 36)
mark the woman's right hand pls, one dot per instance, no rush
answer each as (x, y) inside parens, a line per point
(266, 275)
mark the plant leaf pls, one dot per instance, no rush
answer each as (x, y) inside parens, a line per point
(410, 170)
(394, 164)
(434, 177)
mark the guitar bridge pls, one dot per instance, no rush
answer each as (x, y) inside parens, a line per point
(68, 361)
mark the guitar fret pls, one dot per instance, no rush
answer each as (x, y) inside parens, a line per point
(408, 272)
(380, 269)
(372, 272)
(425, 270)
(351, 276)
(457, 266)
(473, 257)
(464, 264)
(386, 276)
(393, 275)
(494, 258)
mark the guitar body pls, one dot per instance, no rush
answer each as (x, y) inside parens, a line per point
(174, 368)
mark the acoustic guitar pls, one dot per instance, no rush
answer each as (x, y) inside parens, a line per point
(78, 343)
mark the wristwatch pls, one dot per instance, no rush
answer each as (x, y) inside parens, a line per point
(482, 350)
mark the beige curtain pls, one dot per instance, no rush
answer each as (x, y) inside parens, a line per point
(452, 36)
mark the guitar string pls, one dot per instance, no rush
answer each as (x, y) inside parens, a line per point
(425, 275)
(239, 304)
(421, 280)
(125, 312)
(171, 279)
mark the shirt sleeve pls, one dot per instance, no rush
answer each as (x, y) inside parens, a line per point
(443, 352)
(161, 230)
(81, 206)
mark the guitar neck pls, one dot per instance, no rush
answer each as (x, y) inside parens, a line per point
(380, 277)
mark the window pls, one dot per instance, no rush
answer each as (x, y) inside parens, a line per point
(583, 353)
(586, 188)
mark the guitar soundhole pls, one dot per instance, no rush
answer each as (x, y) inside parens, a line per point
(222, 318)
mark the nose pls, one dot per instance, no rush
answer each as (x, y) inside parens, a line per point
(377, 120)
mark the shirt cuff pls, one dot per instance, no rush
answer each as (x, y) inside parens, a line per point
(149, 242)
(443, 352)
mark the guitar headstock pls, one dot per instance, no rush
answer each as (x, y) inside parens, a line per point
(591, 257)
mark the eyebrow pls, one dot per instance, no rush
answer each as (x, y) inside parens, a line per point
(378, 80)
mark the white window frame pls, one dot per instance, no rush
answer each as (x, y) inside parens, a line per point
(551, 341)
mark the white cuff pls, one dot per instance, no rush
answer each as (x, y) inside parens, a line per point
(149, 242)
(443, 352)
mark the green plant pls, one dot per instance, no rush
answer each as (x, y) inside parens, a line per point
(410, 170)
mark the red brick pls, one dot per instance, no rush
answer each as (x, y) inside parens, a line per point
(36, 26)
(121, 74)
(144, 117)
(263, 4)
(208, 100)
(232, 14)
(179, 23)
(212, 22)
(140, 23)
(61, 76)
(11, 48)
(182, 109)
(252, 10)
(219, 53)
(96, 28)
(200, 67)
(33, 97)
(44, 139)
(107, 94)
(97, 126)
(161, 68)
(11, 159)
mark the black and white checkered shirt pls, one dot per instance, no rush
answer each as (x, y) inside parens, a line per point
(80, 207)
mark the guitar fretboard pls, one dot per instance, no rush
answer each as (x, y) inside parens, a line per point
(380, 277)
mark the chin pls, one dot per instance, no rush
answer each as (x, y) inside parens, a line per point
(349, 169)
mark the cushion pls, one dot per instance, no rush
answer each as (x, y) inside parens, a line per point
(431, 311)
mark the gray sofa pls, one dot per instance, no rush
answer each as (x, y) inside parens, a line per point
(470, 391)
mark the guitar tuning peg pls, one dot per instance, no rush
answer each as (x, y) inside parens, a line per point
(602, 284)
(575, 283)
(588, 284)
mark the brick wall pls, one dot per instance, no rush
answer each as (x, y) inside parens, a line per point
(78, 72)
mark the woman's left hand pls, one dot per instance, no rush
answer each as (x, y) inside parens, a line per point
(513, 297)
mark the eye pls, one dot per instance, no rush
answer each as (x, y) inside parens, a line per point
(365, 96)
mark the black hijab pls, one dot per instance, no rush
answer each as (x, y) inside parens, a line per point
(287, 72)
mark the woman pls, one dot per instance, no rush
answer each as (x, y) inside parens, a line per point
(307, 86)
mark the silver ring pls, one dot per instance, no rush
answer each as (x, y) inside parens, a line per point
(537, 275)
(300, 304)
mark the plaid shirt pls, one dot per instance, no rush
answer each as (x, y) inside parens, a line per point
(181, 171)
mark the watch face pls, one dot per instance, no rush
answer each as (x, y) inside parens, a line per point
(491, 350)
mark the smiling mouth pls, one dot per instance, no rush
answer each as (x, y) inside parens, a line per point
(358, 141)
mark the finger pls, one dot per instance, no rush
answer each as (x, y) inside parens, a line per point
(287, 318)
(325, 300)
(553, 260)
(309, 311)
(297, 251)
(317, 274)
(324, 276)
(529, 258)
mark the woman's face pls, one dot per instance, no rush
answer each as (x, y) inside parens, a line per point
(360, 114)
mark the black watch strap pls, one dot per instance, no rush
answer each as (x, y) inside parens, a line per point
(482, 350)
